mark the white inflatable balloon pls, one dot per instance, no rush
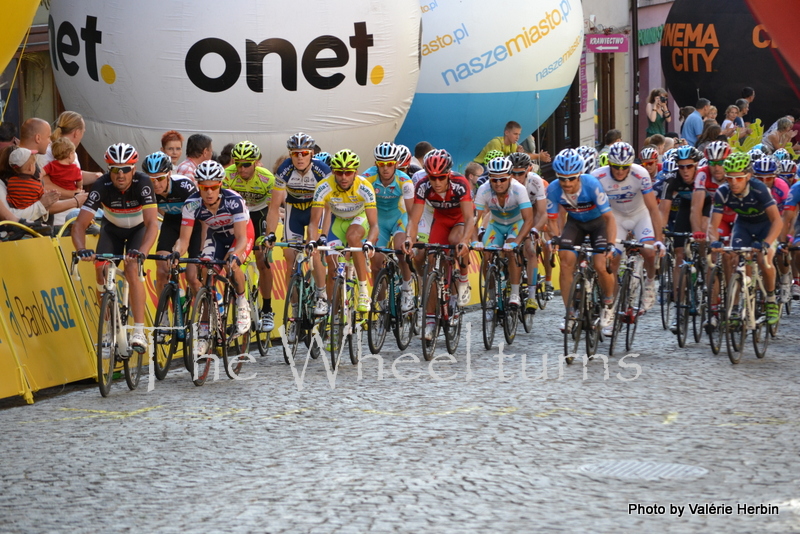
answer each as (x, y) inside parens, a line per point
(343, 72)
(484, 64)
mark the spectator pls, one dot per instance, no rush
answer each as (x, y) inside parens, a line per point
(70, 124)
(782, 135)
(420, 149)
(35, 136)
(658, 114)
(611, 137)
(508, 143)
(472, 173)
(748, 95)
(711, 132)
(198, 150)
(657, 141)
(712, 113)
(529, 147)
(8, 135)
(172, 146)
(224, 157)
(62, 172)
(729, 124)
(693, 125)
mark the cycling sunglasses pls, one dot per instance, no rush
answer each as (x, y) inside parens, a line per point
(716, 162)
(125, 170)
(737, 178)
(519, 173)
(385, 163)
(498, 180)
(688, 166)
(566, 178)
(344, 173)
(208, 187)
(244, 164)
(160, 177)
(437, 177)
(619, 167)
(301, 153)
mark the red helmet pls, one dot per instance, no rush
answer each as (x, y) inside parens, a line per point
(438, 162)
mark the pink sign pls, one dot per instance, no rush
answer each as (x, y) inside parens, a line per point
(607, 44)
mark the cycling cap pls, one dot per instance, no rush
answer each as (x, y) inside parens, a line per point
(519, 160)
(491, 155)
(403, 156)
(568, 162)
(621, 154)
(687, 152)
(157, 163)
(345, 159)
(648, 153)
(300, 141)
(765, 165)
(245, 151)
(121, 154)
(499, 166)
(386, 151)
(737, 162)
(717, 150)
(438, 162)
(324, 157)
(208, 171)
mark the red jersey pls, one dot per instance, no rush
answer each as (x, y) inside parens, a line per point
(447, 206)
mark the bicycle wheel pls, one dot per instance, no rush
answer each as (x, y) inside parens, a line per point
(133, 368)
(715, 322)
(665, 287)
(573, 319)
(235, 346)
(380, 312)
(621, 310)
(635, 303)
(430, 294)
(201, 341)
(593, 303)
(256, 302)
(165, 341)
(489, 307)
(452, 326)
(404, 324)
(292, 320)
(683, 304)
(736, 332)
(355, 341)
(337, 322)
(760, 331)
(510, 317)
(698, 305)
(106, 343)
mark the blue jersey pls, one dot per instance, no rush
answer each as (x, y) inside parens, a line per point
(588, 204)
(751, 208)
(793, 200)
(511, 211)
(390, 199)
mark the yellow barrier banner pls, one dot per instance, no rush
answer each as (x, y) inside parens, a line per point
(41, 316)
(12, 381)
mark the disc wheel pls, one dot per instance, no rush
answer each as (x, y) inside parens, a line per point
(166, 340)
(430, 295)
(489, 307)
(106, 343)
(379, 317)
(235, 346)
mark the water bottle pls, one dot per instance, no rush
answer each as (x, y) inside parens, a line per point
(182, 298)
(588, 284)
(220, 301)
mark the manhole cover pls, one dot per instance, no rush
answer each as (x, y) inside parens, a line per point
(643, 470)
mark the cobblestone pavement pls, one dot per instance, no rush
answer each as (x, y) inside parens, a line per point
(423, 455)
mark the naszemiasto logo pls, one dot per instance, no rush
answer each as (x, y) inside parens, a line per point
(322, 54)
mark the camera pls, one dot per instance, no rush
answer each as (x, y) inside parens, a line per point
(663, 98)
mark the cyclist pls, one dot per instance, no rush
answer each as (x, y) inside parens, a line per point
(536, 189)
(404, 161)
(394, 196)
(758, 221)
(130, 225)
(707, 181)
(171, 191)
(230, 232)
(792, 228)
(490, 155)
(765, 169)
(588, 213)
(630, 195)
(254, 184)
(324, 157)
(787, 170)
(448, 193)
(295, 182)
(649, 158)
(512, 216)
(350, 199)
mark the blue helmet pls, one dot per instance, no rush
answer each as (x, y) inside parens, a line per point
(499, 166)
(687, 152)
(765, 166)
(589, 155)
(157, 163)
(568, 162)
(669, 165)
(621, 153)
(781, 154)
(324, 157)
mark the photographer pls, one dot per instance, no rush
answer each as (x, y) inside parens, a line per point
(658, 114)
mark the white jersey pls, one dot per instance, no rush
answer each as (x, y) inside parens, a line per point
(536, 189)
(626, 198)
(510, 212)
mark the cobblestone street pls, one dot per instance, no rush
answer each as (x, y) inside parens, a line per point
(467, 454)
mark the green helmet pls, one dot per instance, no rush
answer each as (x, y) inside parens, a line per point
(345, 159)
(737, 162)
(491, 155)
(602, 159)
(245, 151)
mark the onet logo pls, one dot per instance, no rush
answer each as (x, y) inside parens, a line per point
(322, 53)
